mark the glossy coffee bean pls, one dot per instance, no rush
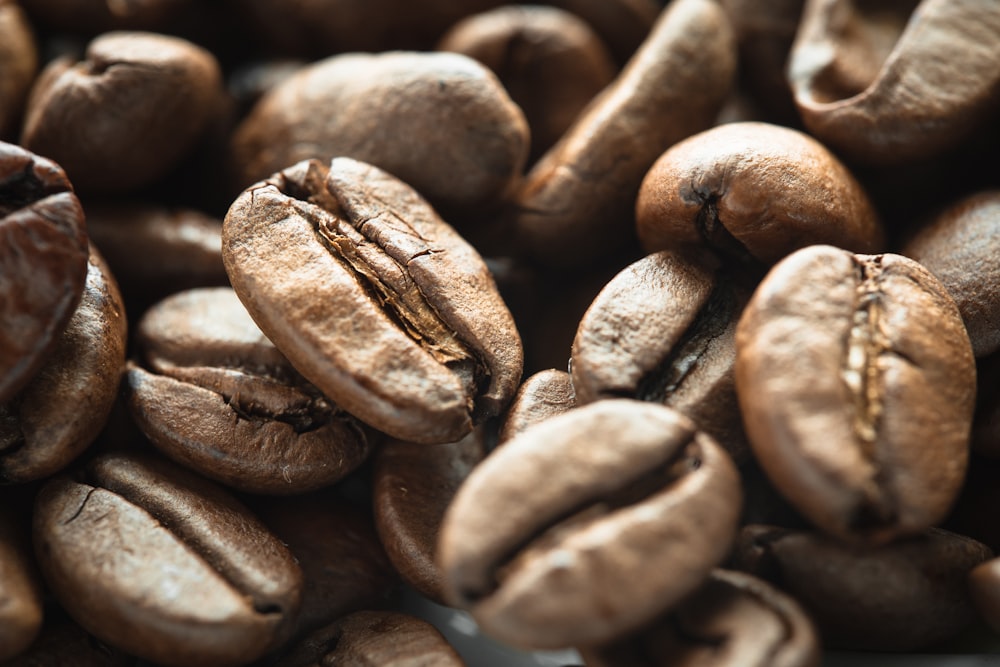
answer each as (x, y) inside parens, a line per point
(216, 396)
(163, 564)
(543, 395)
(732, 620)
(43, 262)
(413, 485)
(857, 383)
(20, 589)
(588, 497)
(663, 330)
(39, 436)
(127, 114)
(902, 596)
(577, 203)
(752, 193)
(374, 299)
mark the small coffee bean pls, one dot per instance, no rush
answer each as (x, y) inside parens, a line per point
(589, 498)
(43, 262)
(163, 564)
(869, 80)
(20, 590)
(856, 382)
(663, 331)
(902, 596)
(752, 193)
(733, 620)
(374, 299)
(543, 395)
(40, 434)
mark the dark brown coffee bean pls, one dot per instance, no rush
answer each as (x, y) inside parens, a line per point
(100, 16)
(18, 64)
(164, 564)
(43, 262)
(857, 383)
(663, 331)
(733, 620)
(621, 24)
(753, 193)
(550, 61)
(413, 486)
(20, 590)
(900, 597)
(128, 113)
(578, 202)
(961, 247)
(345, 568)
(543, 395)
(588, 497)
(155, 251)
(374, 299)
(870, 82)
(219, 398)
(61, 411)
(375, 638)
(473, 140)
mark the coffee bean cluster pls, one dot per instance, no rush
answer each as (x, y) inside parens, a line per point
(667, 333)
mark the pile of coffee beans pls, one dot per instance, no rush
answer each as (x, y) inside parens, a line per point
(651, 333)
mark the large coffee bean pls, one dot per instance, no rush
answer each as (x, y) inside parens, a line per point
(374, 299)
(857, 384)
(589, 499)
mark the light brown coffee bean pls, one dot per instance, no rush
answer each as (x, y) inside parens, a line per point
(374, 299)
(590, 498)
(61, 411)
(870, 82)
(733, 620)
(543, 395)
(753, 193)
(577, 203)
(164, 564)
(857, 383)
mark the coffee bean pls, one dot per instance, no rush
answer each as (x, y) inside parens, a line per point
(752, 193)
(543, 395)
(374, 299)
(163, 564)
(663, 331)
(66, 404)
(733, 619)
(984, 585)
(870, 81)
(856, 382)
(43, 262)
(127, 114)
(18, 63)
(588, 497)
(899, 597)
(220, 399)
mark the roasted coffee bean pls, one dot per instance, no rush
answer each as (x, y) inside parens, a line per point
(221, 400)
(551, 62)
(43, 262)
(20, 590)
(870, 81)
(578, 201)
(856, 382)
(124, 116)
(155, 251)
(663, 331)
(473, 138)
(543, 395)
(984, 585)
(413, 485)
(733, 620)
(18, 64)
(961, 247)
(753, 193)
(903, 596)
(345, 568)
(374, 299)
(382, 638)
(163, 564)
(588, 497)
(39, 433)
